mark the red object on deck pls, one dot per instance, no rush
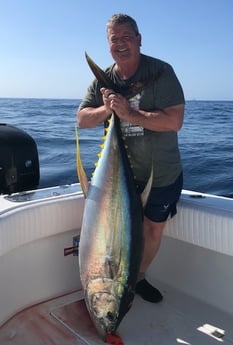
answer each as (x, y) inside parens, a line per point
(114, 339)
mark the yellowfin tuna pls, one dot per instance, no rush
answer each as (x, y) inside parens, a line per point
(111, 241)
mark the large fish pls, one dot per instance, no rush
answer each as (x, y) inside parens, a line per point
(111, 241)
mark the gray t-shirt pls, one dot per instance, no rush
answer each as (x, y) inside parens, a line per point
(145, 146)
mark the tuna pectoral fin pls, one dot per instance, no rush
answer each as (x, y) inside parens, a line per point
(80, 170)
(146, 192)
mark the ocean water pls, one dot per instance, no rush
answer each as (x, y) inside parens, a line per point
(206, 141)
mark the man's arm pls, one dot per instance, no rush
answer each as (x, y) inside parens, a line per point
(167, 119)
(90, 117)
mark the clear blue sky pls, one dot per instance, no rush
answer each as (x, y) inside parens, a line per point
(42, 44)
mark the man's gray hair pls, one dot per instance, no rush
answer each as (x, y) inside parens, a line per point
(121, 18)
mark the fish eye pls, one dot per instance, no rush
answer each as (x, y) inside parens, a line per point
(110, 316)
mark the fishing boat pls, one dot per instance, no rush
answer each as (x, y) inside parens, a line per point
(41, 296)
(41, 299)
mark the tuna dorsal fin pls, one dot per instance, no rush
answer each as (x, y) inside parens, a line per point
(129, 91)
(146, 191)
(80, 170)
(100, 75)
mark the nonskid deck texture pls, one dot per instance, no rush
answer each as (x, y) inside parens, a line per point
(179, 319)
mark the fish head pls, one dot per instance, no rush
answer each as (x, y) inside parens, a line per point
(104, 307)
(102, 298)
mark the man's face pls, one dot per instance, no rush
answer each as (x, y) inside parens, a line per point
(124, 43)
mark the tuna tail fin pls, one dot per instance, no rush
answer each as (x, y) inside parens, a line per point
(146, 191)
(80, 170)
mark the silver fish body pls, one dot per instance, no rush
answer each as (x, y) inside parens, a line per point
(111, 242)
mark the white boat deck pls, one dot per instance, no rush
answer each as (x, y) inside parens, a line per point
(179, 319)
(195, 259)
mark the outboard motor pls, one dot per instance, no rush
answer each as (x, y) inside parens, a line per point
(19, 162)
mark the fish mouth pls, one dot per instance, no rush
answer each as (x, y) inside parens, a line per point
(109, 322)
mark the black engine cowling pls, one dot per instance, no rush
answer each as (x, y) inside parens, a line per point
(19, 161)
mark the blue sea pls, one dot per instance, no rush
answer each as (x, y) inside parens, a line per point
(206, 141)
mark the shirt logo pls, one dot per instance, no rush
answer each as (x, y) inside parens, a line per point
(128, 129)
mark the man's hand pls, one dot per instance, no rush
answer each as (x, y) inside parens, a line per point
(106, 98)
(116, 102)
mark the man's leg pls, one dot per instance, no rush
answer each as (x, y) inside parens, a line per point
(161, 204)
(152, 239)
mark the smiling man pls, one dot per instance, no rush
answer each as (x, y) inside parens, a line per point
(149, 122)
